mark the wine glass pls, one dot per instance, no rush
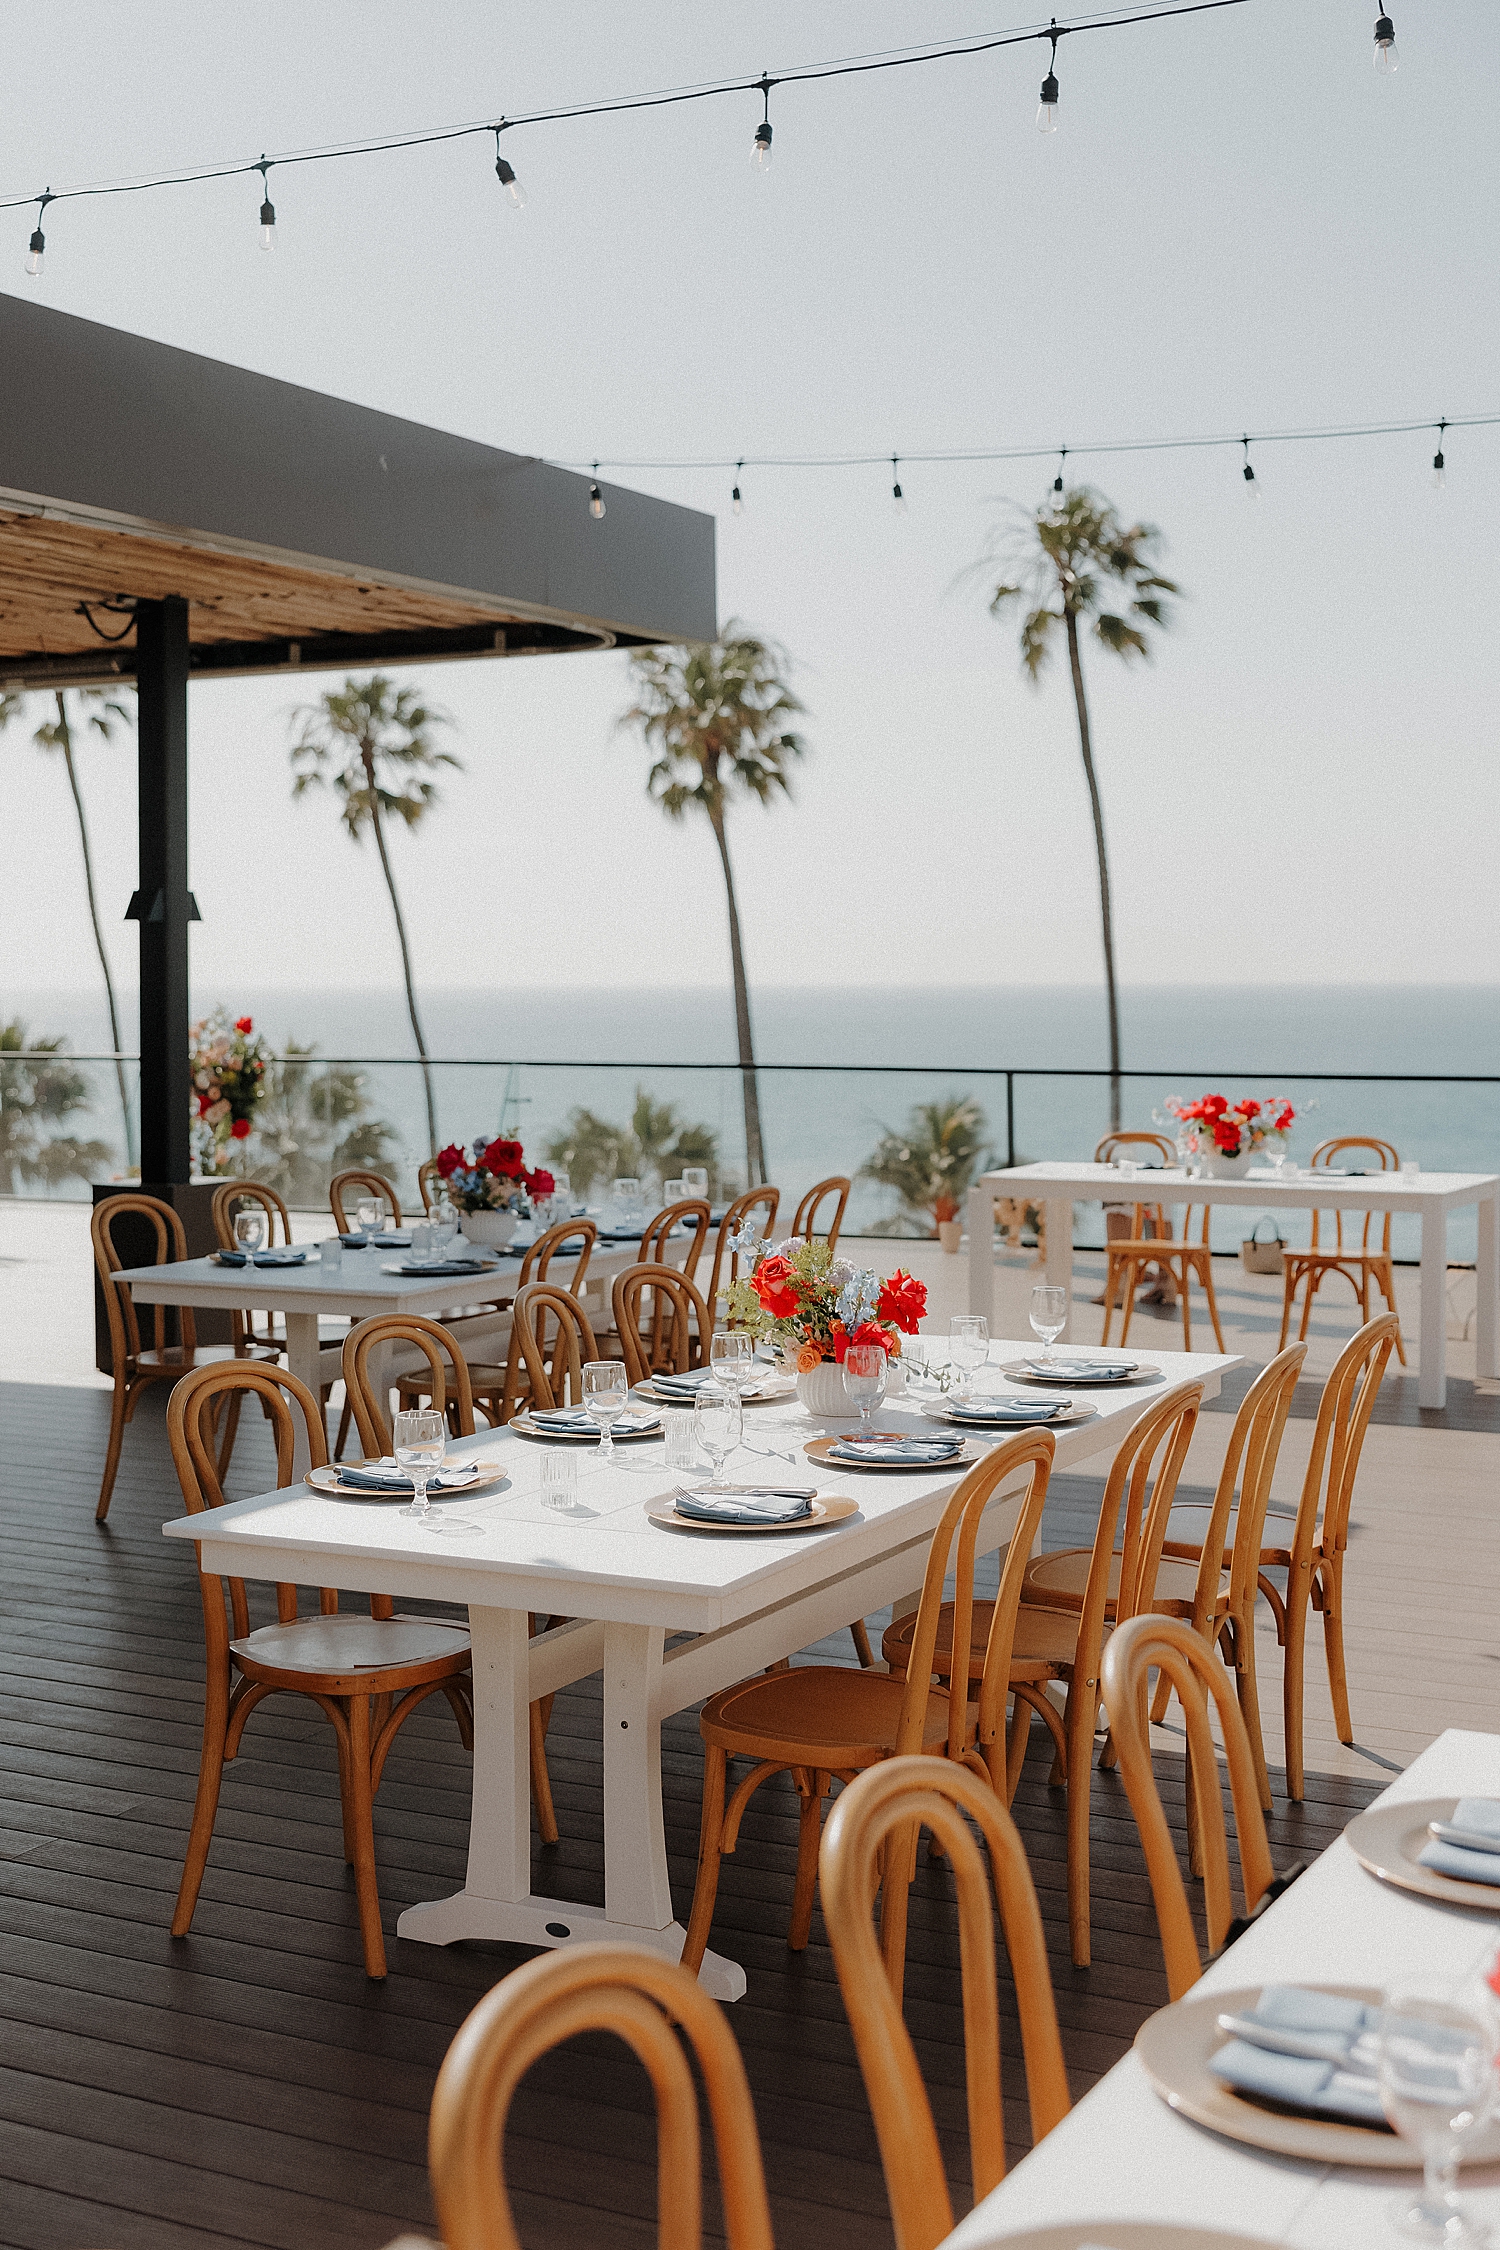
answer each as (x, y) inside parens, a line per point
(249, 1231)
(718, 1423)
(731, 1355)
(1049, 1314)
(421, 1440)
(968, 1347)
(562, 1196)
(444, 1227)
(367, 1215)
(695, 1180)
(605, 1396)
(1437, 2062)
(866, 1373)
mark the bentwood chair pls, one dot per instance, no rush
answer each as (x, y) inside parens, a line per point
(1127, 1257)
(1120, 1222)
(367, 1674)
(136, 1366)
(428, 1177)
(822, 1722)
(1212, 1584)
(446, 1384)
(863, 1840)
(1112, 1143)
(248, 1341)
(554, 1370)
(1313, 1559)
(499, 1386)
(835, 1190)
(758, 1207)
(668, 1334)
(691, 1212)
(357, 1182)
(1187, 1662)
(1357, 1262)
(654, 2006)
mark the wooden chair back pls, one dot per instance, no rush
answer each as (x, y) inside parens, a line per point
(693, 1212)
(227, 1198)
(726, 1266)
(428, 1176)
(653, 2005)
(119, 1309)
(1112, 1143)
(1192, 1666)
(669, 1336)
(1249, 1466)
(1344, 1412)
(357, 1182)
(806, 1221)
(539, 1257)
(555, 1375)
(1322, 1157)
(1141, 1486)
(448, 1370)
(868, 1827)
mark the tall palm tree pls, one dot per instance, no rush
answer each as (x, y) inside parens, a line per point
(103, 716)
(716, 713)
(1064, 560)
(373, 744)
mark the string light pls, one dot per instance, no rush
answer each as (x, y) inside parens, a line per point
(267, 207)
(38, 247)
(896, 492)
(1252, 489)
(1057, 481)
(734, 498)
(505, 174)
(760, 147)
(1046, 116)
(1439, 466)
(596, 497)
(1387, 60)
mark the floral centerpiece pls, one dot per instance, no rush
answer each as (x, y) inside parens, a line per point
(489, 1185)
(812, 1306)
(1228, 1133)
(228, 1069)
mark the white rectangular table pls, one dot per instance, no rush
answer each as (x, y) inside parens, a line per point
(1432, 1195)
(625, 1585)
(1122, 2154)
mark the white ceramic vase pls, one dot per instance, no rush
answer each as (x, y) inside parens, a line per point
(1221, 1167)
(490, 1230)
(822, 1391)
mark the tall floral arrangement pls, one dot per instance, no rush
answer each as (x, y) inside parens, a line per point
(1232, 1128)
(492, 1176)
(813, 1306)
(228, 1067)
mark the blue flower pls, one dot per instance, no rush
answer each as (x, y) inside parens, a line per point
(858, 1299)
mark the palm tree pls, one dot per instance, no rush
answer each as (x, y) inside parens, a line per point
(716, 712)
(38, 1096)
(931, 1164)
(103, 716)
(1063, 560)
(373, 744)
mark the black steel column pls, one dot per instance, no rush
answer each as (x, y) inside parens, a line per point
(163, 900)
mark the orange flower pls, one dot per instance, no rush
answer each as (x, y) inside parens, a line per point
(809, 1357)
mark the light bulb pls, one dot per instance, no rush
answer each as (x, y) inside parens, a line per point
(505, 174)
(1046, 116)
(760, 147)
(1386, 58)
(737, 502)
(1252, 488)
(596, 502)
(900, 499)
(1439, 469)
(268, 226)
(34, 255)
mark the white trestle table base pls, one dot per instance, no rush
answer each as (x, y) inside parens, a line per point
(626, 1587)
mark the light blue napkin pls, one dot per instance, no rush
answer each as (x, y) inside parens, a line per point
(572, 1421)
(895, 1447)
(448, 1265)
(1469, 1847)
(1313, 2052)
(751, 1505)
(386, 1476)
(688, 1385)
(264, 1257)
(1082, 1370)
(996, 1411)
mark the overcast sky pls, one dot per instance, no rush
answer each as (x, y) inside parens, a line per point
(1237, 226)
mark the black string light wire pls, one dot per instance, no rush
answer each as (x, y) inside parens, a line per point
(38, 248)
(897, 495)
(933, 51)
(735, 501)
(1062, 463)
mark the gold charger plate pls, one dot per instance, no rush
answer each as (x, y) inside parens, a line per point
(1176, 2044)
(756, 1396)
(1018, 1372)
(523, 1426)
(329, 1482)
(1129, 2234)
(820, 1449)
(1081, 1412)
(1388, 1840)
(826, 1509)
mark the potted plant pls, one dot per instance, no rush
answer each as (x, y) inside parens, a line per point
(1228, 1134)
(488, 1186)
(930, 1166)
(813, 1306)
(228, 1066)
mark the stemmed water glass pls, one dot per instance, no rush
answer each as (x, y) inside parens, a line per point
(1049, 1315)
(421, 1439)
(249, 1231)
(718, 1423)
(731, 1355)
(968, 1347)
(1437, 2062)
(866, 1373)
(367, 1215)
(605, 1396)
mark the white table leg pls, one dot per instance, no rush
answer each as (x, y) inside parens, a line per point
(302, 1361)
(1487, 1299)
(496, 1900)
(1060, 1254)
(981, 1217)
(1432, 1381)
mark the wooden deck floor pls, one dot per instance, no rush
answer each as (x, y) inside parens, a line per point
(248, 2085)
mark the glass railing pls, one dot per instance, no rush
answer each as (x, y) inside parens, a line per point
(61, 1125)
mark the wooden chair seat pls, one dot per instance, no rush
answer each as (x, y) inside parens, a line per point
(1060, 1581)
(383, 1654)
(1359, 1263)
(820, 1715)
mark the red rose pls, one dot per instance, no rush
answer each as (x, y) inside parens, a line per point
(773, 1284)
(540, 1183)
(244, 1023)
(1213, 1105)
(503, 1158)
(241, 1128)
(1249, 1109)
(450, 1160)
(902, 1301)
(868, 1332)
(1227, 1137)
